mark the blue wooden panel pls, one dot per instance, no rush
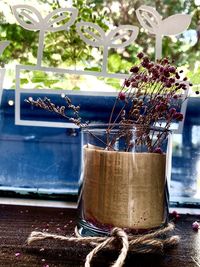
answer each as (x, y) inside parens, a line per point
(43, 159)
(37, 157)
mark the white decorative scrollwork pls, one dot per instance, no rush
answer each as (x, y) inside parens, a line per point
(151, 20)
(94, 35)
(31, 19)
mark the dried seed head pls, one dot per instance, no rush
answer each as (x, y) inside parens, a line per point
(134, 69)
(140, 102)
(122, 96)
(136, 111)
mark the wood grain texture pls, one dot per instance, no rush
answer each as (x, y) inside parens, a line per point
(16, 223)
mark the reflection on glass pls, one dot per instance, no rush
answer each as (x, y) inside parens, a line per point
(185, 180)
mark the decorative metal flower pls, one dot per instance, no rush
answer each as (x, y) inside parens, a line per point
(151, 21)
(119, 37)
(31, 19)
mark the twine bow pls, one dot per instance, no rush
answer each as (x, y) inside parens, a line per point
(148, 243)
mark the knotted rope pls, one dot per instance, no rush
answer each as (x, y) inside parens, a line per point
(148, 243)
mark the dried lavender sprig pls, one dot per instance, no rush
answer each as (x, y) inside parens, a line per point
(153, 85)
(46, 104)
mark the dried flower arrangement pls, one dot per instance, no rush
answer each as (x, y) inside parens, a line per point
(150, 97)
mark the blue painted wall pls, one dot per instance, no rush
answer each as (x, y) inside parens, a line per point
(43, 158)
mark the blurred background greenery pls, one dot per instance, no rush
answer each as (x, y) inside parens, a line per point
(65, 49)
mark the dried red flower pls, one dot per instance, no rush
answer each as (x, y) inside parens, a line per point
(178, 116)
(175, 215)
(195, 226)
(122, 96)
(172, 111)
(158, 150)
(140, 55)
(127, 83)
(172, 69)
(149, 96)
(134, 69)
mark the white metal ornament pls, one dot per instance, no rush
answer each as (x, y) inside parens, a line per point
(31, 19)
(114, 39)
(151, 21)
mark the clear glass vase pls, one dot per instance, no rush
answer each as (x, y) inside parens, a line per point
(124, 179)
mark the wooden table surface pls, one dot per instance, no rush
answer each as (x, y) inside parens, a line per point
(17, 222)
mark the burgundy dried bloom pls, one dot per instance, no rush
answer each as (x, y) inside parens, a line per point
(172, 111)
(137, 77)
(132, 79)
(166, 72)
(122, 96)
(158, 150)
(154, 70)
(145, 64)
(140, 55)
(163, 79)
(146, 59)
(150, 65)
(157, 108)
(144, 78)
(158, 97)
(181, 71)
(185, 79)
(175, 215)
(134, 84)
(172, 69)
(155, 73)
(155, 76)
(183, 86)
(168, 84)
(127, 83)
(146, 95)
(195, 226)
(161, 107)
(134, 69)
(178, 116)
(165, 61)
(172, 80)
(161, 69)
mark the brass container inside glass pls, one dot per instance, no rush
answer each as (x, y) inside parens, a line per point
(124, 177)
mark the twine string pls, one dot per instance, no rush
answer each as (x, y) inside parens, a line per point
(147, 243)
(120, 235)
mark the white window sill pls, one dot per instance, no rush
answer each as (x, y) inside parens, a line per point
(38, 203)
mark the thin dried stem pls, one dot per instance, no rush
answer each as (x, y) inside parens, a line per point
(152, 94)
